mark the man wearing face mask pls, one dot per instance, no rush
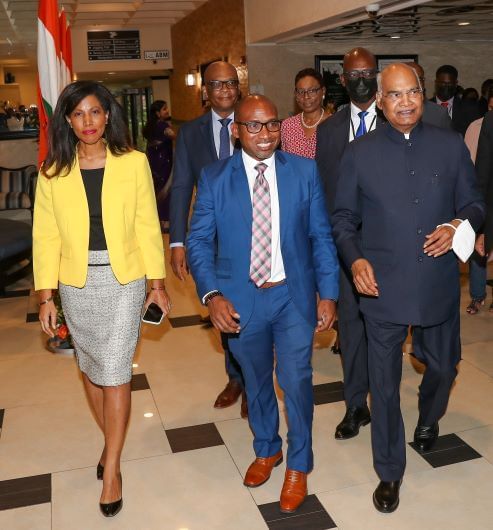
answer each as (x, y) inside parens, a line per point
(462, 113)
(333, 136)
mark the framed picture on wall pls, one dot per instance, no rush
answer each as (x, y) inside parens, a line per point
(330, 67)
(385, 60)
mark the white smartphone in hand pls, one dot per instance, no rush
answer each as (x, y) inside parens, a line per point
(153, 315)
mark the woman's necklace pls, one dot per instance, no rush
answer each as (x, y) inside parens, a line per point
(315, 124)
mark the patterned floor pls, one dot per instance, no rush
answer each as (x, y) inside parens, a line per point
(184, 461)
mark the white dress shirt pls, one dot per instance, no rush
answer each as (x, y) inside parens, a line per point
(277, 265)
(370, 119)
(216, 130)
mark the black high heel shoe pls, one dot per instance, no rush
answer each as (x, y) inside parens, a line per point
(100, 471)
(110, 509)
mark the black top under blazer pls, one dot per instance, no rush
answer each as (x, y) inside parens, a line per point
(397, 191)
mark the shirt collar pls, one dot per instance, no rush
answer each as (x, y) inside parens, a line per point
(250, 162)
(449, 102)
(216, 116)
(355, 110)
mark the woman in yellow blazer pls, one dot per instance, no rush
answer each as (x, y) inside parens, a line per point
(96, 237)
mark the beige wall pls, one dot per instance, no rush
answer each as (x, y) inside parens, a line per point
(160, 90)
(151, 38)
(27, 79)
(274, 67)
(215, 30)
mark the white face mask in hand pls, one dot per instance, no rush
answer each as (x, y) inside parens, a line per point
(463, 241)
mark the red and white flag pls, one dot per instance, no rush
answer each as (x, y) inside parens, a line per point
(54, 65)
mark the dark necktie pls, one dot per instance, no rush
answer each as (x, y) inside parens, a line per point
(260, 257)
(362, 124)
(224, 139)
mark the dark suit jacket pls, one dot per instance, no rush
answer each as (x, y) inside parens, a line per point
(436, 115)
(195, 149)
(463, 113)
(396, 191)
(484, 169)
(223, 210)
(332, 140)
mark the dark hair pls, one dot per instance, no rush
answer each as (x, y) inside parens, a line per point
(470, 94)
(152, 118)
(62, 141)
(447, 69)
(486, 86)
(309, 72)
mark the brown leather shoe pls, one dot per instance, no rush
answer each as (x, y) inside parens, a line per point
(229, 396)
(244, 406)
(260, 470)
(294, 491)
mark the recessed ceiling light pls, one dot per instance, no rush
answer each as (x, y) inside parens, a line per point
(135, 365)
(148, 415)
(111, 73)
(395, 36)
(463, 23)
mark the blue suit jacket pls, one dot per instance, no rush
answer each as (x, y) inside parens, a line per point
(398, 191)
(195, 149)
(220, 238)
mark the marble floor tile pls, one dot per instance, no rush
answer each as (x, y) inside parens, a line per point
(29, 518)
(197, 489)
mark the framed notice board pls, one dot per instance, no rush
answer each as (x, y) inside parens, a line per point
(113, 45)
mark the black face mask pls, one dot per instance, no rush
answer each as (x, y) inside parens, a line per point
(445, 92)
(361, 90)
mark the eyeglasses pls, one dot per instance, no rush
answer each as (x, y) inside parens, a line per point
(254, 127)
(352, 75)
(412, 93)
(310, 92)
(230, 84)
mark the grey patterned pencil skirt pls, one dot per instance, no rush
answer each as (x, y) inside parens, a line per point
(104, 320)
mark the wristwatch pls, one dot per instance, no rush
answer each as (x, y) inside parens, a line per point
(209, 296)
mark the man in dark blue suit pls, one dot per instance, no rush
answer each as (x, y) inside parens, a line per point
(403, 191)
(260, 248)
(201, 142)
(333, 136)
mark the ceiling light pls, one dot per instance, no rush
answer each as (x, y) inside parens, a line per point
(463, 23)
(111, 73)
(148, 415)
(135, 365)
(395, 36)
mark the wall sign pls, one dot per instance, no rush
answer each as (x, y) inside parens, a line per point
(113, 45)
(152, 55)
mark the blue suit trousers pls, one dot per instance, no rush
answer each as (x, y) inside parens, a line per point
(276, 325)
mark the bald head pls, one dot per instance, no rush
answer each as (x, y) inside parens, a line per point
(253, 112)
(221, 69)
(400, 96)
(359, 59)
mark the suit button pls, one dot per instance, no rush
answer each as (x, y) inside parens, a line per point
(420, 259)
(419, 231)
(416, 201)
(409, 144)
(412, 172)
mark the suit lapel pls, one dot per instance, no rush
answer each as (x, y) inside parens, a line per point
(285, 188)
(239, 183)
(208, 135)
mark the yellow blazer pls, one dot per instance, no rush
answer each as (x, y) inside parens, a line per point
(130, 221)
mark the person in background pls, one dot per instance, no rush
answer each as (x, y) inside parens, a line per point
(333, 137)
(96, 238)
(486, 87)
(432, 113)
(478, 263)
(258, 267)
(160, 136)
(403, 191)
(299, 132)
(470, 94)
(462, 113)
(199, 143)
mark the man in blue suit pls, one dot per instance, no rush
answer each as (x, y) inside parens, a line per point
(260, 248)
(201, 142)
(403, 191)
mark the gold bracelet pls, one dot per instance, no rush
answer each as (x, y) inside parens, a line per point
(46, 301)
